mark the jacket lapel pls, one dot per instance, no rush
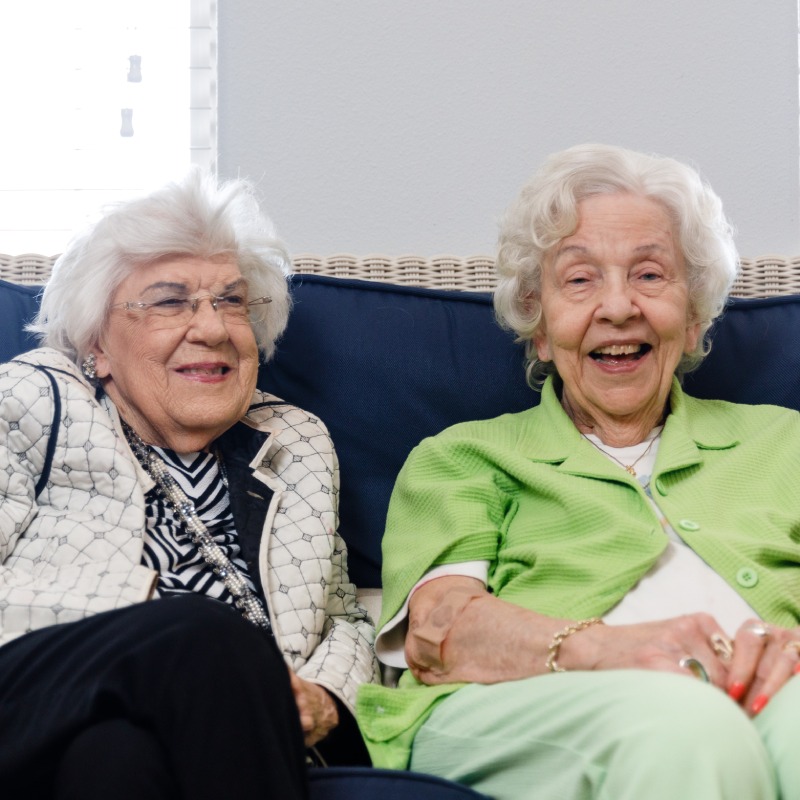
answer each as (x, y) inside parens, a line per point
(250, 498)
(553, 438)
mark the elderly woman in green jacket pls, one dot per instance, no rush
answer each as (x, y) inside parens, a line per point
(599, 597)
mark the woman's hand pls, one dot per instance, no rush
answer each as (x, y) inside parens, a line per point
(664, 645)
(317, 709)
(764, 658)
(459, 632)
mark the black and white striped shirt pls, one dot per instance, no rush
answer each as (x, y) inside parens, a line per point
(169, 550)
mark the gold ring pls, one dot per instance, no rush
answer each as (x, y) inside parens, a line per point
(722, 646)
(760, 629)
(695, 667)
(793, 646)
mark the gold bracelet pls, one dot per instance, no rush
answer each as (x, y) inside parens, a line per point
(564, 633)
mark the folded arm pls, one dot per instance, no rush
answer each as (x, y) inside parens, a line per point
(459, 631)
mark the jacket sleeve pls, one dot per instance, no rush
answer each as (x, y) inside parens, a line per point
(25, 419)
(345, 657)
(448, 506)
(53, 564)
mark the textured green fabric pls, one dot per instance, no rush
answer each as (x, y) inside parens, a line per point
(568, 534)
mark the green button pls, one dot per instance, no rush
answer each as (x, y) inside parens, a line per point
(661, 487)
(747, 577)
(688, 525)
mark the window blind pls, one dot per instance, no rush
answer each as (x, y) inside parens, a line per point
(102, 100)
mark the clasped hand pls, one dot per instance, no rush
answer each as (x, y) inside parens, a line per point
(460, 632)
(751, 669)
(317, 709)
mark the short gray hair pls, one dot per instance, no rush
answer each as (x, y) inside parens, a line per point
(546, 211)
(195, 217)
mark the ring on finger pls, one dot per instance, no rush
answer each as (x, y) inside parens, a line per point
(760, 629)
(695, 667)
(792, 647)
(722, 646)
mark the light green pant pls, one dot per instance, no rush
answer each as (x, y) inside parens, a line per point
(616, 735)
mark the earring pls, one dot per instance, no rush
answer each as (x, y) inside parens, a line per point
(89, 367)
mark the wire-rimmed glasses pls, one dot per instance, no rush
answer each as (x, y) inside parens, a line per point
(174, 311)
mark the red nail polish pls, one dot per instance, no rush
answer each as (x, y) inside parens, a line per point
(759, 703)
(797, 669)
(736, 690)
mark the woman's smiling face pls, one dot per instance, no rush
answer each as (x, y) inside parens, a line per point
(616, 315)
(179, 387)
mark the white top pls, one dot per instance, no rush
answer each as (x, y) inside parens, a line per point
(680, 582)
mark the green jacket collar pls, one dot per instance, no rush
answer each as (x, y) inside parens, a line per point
(692, 426)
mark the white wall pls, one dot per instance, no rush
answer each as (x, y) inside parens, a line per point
(407, 127)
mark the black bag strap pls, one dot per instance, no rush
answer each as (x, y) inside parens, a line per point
(51, 442)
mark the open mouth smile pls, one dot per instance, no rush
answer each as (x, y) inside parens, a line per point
(620, 353)
(216, 370)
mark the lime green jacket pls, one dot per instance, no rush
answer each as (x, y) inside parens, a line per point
(567, 533)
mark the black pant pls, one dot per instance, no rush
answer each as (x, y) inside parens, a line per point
(173, 698)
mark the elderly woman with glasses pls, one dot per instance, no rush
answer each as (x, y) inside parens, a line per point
(599, 597)
(176, 618)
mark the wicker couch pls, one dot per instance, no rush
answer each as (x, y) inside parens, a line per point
(768, 276)
(390, 350)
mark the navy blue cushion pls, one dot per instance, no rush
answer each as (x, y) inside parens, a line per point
(755, 354)
(364, 783)
(18, 306)
(384, 366)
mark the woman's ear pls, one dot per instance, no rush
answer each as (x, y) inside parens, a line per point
(542, 344)
(692, 337)
(102, 365)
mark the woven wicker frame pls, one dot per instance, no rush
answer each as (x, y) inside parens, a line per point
(767, 276)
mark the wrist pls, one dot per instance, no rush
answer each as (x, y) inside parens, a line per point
(554, 649)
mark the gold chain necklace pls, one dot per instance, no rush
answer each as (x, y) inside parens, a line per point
(629, 468)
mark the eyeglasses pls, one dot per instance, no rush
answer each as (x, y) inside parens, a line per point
(178, 311)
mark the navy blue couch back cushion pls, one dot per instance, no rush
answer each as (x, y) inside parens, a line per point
(18, 306)
(385, 366)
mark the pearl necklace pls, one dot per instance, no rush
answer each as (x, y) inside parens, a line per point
(245, 599)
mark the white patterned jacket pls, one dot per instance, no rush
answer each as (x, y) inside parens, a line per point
(75, 549)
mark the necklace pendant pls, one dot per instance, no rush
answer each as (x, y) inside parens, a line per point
(630, 470)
